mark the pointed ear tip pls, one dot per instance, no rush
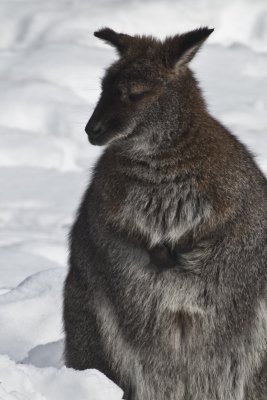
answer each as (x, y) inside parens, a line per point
(204, 32)
(208, 30)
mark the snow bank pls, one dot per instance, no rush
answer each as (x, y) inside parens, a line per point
(26, 382)
(46, 355)
(30, 314)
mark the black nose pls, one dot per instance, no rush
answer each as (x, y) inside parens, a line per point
(94, 130)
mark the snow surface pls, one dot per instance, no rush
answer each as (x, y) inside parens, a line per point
(50, 66)
(28, 382)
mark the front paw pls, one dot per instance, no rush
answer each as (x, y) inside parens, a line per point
(162, 257)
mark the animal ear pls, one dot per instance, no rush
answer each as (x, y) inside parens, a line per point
(180, 49)
(119, 40)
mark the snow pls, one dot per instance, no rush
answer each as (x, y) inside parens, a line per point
(26, 382)
(50, 67)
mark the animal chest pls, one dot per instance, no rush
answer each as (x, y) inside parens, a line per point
(161, 212)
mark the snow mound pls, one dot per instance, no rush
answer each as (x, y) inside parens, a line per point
(26, 382)
(30, 314)
(46, 355)
(31, 329)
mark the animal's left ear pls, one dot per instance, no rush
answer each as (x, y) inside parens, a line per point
(120, 41)
(180, 49)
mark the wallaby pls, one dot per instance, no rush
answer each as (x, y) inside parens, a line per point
(167, 286)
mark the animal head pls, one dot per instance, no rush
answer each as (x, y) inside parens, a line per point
(134, 86)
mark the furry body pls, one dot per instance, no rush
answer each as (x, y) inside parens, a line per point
(167, 287)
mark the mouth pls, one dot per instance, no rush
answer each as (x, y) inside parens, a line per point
(101, 141)
(96, 137)
(97, 140)
(108, 137)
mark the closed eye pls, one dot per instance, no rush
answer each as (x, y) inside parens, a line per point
(137, 96)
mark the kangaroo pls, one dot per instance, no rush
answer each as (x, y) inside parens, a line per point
(166, 292)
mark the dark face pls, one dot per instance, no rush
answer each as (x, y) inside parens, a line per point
(129, 89)
(132, 87)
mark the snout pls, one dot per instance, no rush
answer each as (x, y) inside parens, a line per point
(95, 131)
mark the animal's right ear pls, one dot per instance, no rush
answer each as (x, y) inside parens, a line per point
(119, 40)
(180, 49)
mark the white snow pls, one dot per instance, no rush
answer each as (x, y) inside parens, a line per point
(50, 67)
(31, 383)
